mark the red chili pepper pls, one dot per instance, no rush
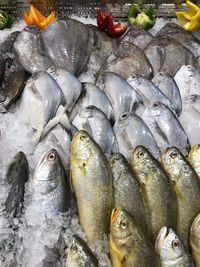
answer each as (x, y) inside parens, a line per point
(102, 20)
(115, 30)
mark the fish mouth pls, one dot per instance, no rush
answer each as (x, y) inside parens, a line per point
(164, 231)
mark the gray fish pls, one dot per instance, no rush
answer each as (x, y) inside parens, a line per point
(148, 91)
(80, 255)
(171, 249)
(16, 176)
(128, 60)
(131, 131)
(13, 89)
(168, 86)
(167, 55)
(121, 95)
(136, 36)
(179, 34)
(28, 50)
(92, 95)
(74, 45)
(69, 84)
(95, 122)
(165, 127)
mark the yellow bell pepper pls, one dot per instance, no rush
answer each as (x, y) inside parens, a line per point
(189, 19)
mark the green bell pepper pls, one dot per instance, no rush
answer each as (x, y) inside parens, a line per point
(5, 20)
(141, 18)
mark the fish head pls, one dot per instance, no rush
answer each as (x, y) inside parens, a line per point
(76, 252)
(123, 120)
(49, 172)
(168, 245)
(87, 112)
(124, 49)
(117, 162)
(156, 109)
(140, 156)
(134, 80)
(195, 234)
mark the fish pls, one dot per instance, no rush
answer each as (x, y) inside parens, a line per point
(80, 255)
(168, 86)
(186, 185)
(127, 192)
(91, 180)
(28, 50)
(171, 249)
(92, 95)
(168, 55)
(13, 89)
(128, 60)
(149, 92)
(48, 188)
(193, 158)
(121, 95)
(195, 240)
(136, 36)
(188, 78)
(17, 176)
(152, 178)
(95, 122)
(40, 100)
(178, 33)
(68, 83)
(75, 44)
(129, 245)
(165, 127)
(131, 131)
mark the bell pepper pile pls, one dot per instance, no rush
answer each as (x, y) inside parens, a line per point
(5, 20)
(189, 19)
(141, 18)
(34, 17)
(106, 23)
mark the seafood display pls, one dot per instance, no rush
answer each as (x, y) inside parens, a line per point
(100, 147)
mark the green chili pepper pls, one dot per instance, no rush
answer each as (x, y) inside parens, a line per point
(5, 20)
(141, 18)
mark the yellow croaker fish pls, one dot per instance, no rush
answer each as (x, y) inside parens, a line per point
(194, 158)
(91, 180)
(129, 245)
(195, 240)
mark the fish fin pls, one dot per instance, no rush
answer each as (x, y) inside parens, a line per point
(160, 132)
(71, 181)
(161, 53)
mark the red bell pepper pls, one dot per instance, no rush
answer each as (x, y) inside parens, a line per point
(102, 20)
(115, 30)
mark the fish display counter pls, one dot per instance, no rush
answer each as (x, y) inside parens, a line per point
(99, 134)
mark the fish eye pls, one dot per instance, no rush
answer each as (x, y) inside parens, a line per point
(116, 158)
(124, 116)
(125, 44)
(51, 157)
(82, 137)
(174, 154)
(89, 108)
(123, 224)
(175, 244)
(74, 248)
(155, 106)
(140, 154)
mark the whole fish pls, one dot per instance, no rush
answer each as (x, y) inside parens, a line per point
(149, 92)
(95, 122)
(168, 86)
(74, 46)
(127, 192)
(129, 60)
(13, 89)
(129, 245)
(171, 249)
(68, 83)
(17, 175)
(91, 180)
(92, 95)
(40, 100)
(194, 158)
(195, 240)
(152, 178)
(136, 36)
(189, 119)
(48, 189)
(80, 255)
(28, 50)
(165, 127)
(168, 55)
(131, 131)
(121, 95)
(186, 185)
(178, 33)
(188, 79)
